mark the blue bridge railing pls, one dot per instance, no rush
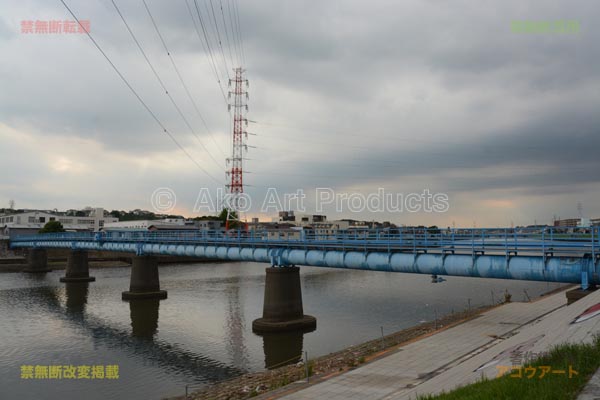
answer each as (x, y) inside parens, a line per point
(509, 241)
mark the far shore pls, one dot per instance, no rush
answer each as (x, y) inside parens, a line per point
(17, 264)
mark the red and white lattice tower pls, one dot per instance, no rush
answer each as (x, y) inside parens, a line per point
(235, 175)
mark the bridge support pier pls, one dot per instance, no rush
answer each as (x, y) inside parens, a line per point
(77, 268)
(37, 261)
(144, 283)
(282, 309)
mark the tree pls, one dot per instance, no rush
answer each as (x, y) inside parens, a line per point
(433, 229)
(234, 222)
(52, 227)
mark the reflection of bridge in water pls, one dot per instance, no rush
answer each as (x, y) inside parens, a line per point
(140, 341)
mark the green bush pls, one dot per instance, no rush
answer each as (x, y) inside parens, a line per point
(52, 227)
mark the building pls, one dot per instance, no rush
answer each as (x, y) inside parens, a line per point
(572, 223)
(275, 230)
(141, 225)
(209, 225)
(566, 223)
(169, 227)
(29, 222)
(308, 219)
(164, 224)
(327, 228)
(287, 216)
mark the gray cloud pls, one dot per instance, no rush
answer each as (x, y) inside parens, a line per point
(350, 94)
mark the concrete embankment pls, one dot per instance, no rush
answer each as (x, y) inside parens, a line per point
(500, 337)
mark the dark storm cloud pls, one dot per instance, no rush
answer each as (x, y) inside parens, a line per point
(444, 93)
(557, 151)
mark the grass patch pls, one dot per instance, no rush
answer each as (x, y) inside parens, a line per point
(583, 358)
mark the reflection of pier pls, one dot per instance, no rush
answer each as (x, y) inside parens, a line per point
(144, 317)
(139, 342)
(235, 325)
(282, 348)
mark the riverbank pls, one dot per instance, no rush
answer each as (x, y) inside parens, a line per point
(327, 366)
(276, 382)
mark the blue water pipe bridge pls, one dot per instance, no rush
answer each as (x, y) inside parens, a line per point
(550, 254)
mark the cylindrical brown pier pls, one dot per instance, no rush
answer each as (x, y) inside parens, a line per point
(282, 309)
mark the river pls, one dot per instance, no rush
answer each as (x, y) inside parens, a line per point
(202, 332)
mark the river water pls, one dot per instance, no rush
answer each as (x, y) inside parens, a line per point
(202, 333)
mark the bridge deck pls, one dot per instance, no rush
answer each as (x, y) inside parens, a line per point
(542, 255)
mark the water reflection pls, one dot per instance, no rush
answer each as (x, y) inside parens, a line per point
(144, 317)
(76, 298)
(283, 348)
(235, 325)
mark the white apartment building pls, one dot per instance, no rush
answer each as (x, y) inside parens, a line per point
(30, 222)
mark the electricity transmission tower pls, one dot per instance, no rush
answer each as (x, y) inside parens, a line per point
(235, 175)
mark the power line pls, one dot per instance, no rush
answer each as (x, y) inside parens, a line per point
(207, 50)
(233, 33)
(210, 52)
(226, 33)
(213, 34)
(219, 37)
(137, 95)
(158, 77)
(187, 91)
(239, 28)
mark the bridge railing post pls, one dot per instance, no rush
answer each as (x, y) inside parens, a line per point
(593, 247)
(389, 240)
(482, 239)
(544, 246)
(598, 235)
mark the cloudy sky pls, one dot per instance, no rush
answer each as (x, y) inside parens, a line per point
(355, 96)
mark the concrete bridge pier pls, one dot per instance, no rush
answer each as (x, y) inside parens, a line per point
(37, 261)
(282, 309)
(144, 283)
(77, 268)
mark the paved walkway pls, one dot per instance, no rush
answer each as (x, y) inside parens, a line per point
(464, 353)
(591, 391)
